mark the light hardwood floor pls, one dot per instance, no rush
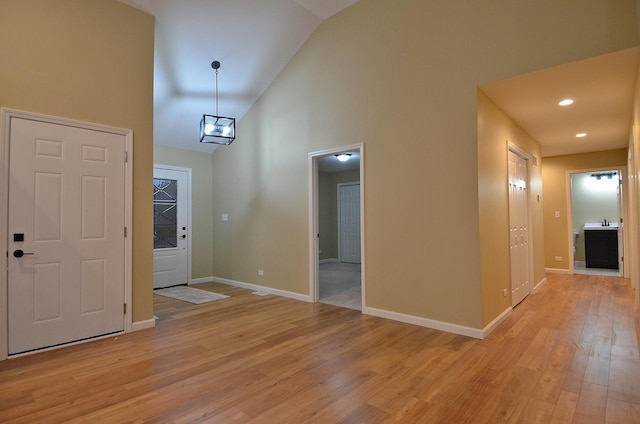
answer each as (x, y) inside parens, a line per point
(568, 354)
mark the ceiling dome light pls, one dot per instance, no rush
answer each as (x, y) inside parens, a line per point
(566, 102)
(343, 157)
(580, 135)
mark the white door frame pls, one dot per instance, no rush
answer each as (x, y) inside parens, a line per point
(623, 243)
(313, 157)
(189, 173)
(6, 116)
(527, 157)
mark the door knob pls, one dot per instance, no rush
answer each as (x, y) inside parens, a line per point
(20, 253)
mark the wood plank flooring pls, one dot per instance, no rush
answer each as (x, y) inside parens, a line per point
(568, 354)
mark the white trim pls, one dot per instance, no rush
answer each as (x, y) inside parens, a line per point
(539, 286)
(6, 116)
(143, 325)
(200, 280)
(527, 157)
(496, 322)
(313, 218)
(558, 271)
(256, 287)
(329, 261)
(425, 322)
(188, 171)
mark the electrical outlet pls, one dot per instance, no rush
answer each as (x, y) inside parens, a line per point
(260, 272)
(558, 258)
(504, 293)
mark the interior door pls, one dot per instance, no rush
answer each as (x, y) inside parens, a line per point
(170, 227)
(518, 228)
(66, 219)
(349, 222)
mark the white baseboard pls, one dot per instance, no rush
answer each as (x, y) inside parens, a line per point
(557, 271)
(270, 290)
(201, 280)
(143, 325)
(329, 261)
(538, 286)
(425, 322)
(496, 322)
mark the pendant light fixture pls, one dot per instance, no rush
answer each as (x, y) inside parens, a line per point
(217, 129)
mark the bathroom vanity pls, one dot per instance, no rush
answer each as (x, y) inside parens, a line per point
(601, 246)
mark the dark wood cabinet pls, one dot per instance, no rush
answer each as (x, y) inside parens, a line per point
(601, 248)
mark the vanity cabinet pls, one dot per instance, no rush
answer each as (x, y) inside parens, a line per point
(601, 248)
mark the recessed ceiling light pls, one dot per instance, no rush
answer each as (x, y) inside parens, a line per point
(580, 135)
(566, 102)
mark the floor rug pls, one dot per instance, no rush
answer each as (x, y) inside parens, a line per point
(189, 294)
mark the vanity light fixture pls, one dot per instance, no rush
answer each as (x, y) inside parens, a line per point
(217, 129)
(566, 102)
(600, 175)
(343, 157)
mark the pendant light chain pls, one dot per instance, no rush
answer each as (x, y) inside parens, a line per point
(217, 92)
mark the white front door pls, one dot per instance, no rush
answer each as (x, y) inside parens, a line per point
(170, 226)
(349, 222)
(66, 234)
(518, 228)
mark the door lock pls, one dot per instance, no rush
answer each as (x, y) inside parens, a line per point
(18, 253)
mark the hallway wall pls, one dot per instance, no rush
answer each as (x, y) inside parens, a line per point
(400, 77)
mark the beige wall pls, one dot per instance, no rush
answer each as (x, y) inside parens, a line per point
(328, 209)
(554, 179)
(495, 131)
(402, 78)
(201, 203)
(91, 61)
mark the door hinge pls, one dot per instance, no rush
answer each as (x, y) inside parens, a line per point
(126, 156)
(621, 258)
(125, 309)
(125, 232)
(621, 220)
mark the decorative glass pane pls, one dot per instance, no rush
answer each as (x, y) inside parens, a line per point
(165, 218)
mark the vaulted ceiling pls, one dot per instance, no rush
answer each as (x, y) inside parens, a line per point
(252, 39)
(255, 39)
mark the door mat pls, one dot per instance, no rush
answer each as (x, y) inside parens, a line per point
(191, 295)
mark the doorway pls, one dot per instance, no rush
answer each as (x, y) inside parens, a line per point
(171, 226)
(596, 217)
(336, 227)
(67, 202)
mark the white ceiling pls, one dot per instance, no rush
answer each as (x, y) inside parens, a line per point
(602, 89)
(255, 39)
